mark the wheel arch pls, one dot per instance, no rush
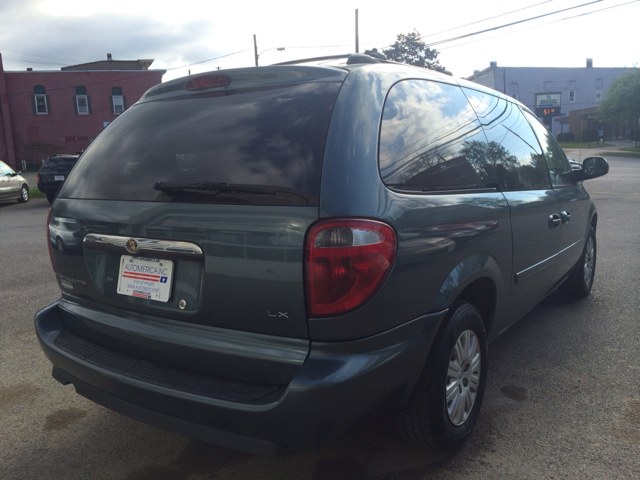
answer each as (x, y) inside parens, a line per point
(475, 280)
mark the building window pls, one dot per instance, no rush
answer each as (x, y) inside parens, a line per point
(40, 101)
(572, 96)
(81, 101)
(118, 104)
(598, 95)
(82, 105)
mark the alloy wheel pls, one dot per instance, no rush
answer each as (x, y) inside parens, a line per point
(463, 377)
(589, 261)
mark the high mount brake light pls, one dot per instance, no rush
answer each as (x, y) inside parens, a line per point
(208, 81)
(346, 263)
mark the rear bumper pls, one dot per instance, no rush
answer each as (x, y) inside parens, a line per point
(47, 188)
(338, 386)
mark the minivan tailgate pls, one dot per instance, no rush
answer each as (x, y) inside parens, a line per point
(248, 276)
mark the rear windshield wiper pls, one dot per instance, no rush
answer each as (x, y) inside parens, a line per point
(174, 188)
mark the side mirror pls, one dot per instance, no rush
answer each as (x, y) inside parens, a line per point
(592, 167)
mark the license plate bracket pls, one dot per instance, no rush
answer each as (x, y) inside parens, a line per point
(148, 278)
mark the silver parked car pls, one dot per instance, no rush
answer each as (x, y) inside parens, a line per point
(13, 186)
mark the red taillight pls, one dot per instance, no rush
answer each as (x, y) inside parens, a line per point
(346, 263)
(208, 81)
(49, 239)
(38, 177)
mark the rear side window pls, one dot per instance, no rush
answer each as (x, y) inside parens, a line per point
(428, 139)
(511, 148)
(251, 146)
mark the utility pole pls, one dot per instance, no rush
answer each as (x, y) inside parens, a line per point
(255, 48)
(357, 40)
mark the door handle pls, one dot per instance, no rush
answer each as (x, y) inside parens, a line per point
(565, 216)
(554, 220)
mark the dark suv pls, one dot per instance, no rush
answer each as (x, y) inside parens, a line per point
(272, 255)
(53, 172)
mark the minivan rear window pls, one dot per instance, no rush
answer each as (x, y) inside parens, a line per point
(254, 146)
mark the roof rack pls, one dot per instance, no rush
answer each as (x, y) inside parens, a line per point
(352, 58)
(369, 56)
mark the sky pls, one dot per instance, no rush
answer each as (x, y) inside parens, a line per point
(198, 36)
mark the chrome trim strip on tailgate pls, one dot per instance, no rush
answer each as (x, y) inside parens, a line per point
(169, 246)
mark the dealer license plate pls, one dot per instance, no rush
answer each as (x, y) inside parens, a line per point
(58, 178)
(148, 278)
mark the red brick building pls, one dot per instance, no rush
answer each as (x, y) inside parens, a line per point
(47, 112)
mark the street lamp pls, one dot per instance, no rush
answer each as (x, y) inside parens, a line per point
(255, 49)
(589, 128)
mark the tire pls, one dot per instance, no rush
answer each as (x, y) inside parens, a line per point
(24, 194)
(50, 197)
(453, 376)
(580, 281)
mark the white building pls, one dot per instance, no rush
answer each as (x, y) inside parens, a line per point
(552, 92)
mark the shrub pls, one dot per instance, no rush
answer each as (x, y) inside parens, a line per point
(585, 136)
(566, 137)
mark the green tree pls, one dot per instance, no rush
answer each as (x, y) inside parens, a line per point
(622, 101)
(410, 49)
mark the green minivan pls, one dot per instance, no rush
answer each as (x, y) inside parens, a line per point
(269, 256)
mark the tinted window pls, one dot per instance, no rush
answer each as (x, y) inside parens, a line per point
(427, 139)
(559, 167)
(511, 147)
(253, 146)
(63, 162)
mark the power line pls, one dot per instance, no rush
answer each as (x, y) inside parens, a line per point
(485, 19)
(29, 61)
(540, 25)
(511, 24)
(210, 59)
(41, 56)
(599, 10)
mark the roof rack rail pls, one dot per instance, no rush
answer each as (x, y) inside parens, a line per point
(369, 56)
(315, 59)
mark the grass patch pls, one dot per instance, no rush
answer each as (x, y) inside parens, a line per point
(35, 193)
(583, 145)
(631, 149)
(619, 153)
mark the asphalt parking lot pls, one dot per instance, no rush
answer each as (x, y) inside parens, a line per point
(562, 400)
